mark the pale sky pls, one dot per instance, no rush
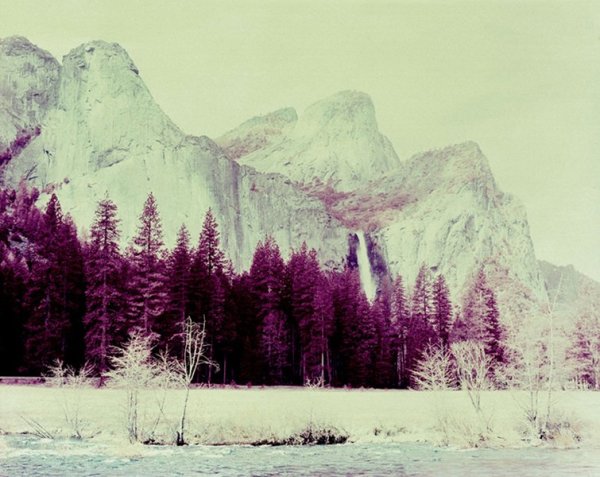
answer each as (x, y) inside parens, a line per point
(521, 78)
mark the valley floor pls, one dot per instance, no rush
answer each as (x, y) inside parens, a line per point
(253, 415)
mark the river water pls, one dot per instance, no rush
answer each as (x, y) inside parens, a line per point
(30, 456)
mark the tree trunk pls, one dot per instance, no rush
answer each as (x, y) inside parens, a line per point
(181, 433)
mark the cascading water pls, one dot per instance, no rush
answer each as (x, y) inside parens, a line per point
(364, 267)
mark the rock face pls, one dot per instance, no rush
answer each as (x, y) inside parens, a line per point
(327, 177)
(28, 83)
(336, 141)
(28, 90)
(567, 288)
(106, 134)
(441, 208)
(457, 219)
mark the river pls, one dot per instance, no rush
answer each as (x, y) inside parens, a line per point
(29, 456)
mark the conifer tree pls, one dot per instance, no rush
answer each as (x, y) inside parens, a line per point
(480, 319)
(383, 353)
(401, 324)
(320, 361)
(303, 274)
(105, 316)
(442, 311)
(73, 288)
(311, 311)
(420, 331)
(178, 278)
(209, 289)
(422, 298)
(267, 277)
(56, 293)
(20, 231)
(12, 315)
(355, 332)
(494, 344)
(209, 247)
(148, 295)
(243, 305)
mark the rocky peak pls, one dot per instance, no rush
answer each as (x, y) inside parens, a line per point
(28, 86)
(107, 111)
(457, 168)
(20, 46)
(100, 55)
(335, 141)
(99, 71)
(348, 113)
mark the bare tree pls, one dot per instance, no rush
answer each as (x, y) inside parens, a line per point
(435, 370)
(134, 369)
(71, 382)
(527, 370)
(532, 365)
(194, 355)
(473, 367)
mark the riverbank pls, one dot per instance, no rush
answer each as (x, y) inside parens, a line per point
(222, 416)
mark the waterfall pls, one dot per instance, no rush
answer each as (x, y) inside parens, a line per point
(364, 267)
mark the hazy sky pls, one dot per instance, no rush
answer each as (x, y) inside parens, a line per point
(521, 78)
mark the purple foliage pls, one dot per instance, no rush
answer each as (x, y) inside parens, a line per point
(282, 322)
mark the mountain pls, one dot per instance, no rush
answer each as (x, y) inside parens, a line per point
(447, 211)
(567, 288)
(336, 141)
(28, 90)
(327, 176)
(103, 133)
(441, 207)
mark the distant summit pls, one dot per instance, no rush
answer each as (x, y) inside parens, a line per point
(335, 141)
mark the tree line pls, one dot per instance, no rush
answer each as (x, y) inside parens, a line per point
(280, 322)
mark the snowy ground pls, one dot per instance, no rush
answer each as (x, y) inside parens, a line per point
(247, 415)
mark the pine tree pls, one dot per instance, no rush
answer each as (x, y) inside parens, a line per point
(244, 306)
(383, 353)
(229, 343)
(73, 288)
(442, 311)
(178, 279)
(12, 289)
(209, 249)
(494, 342)
(209, 289)
(322, 330)
(355, 333)
(303, 273)
(401, 324)
(105, 317)
(56, 293)
(267, 277)
(148, 297)
(422, 298)
(311, 312)
(480, 319)
(20, 231)
(420, 330)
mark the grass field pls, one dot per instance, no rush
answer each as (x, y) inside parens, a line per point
(251, 415)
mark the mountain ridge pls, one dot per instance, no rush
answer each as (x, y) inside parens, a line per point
(108, 135)
(105, 133)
